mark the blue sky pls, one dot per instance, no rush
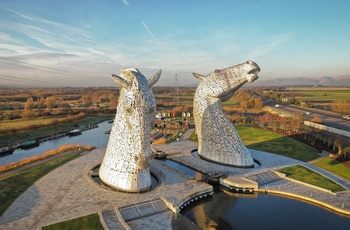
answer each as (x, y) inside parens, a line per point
(81, 42)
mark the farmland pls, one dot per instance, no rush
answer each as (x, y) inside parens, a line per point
(318, 94)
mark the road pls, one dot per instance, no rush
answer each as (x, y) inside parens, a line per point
(328, 118)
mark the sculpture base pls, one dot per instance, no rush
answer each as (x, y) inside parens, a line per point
(126, 181)
(223, 163)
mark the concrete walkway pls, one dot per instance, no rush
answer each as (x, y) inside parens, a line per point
(68, 192)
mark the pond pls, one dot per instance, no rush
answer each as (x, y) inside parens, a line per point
(226, 210)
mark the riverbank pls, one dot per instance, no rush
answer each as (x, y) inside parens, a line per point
(8, 140)
(45, 157)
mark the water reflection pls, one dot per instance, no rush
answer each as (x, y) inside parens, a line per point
(95, 137)
(228, 210)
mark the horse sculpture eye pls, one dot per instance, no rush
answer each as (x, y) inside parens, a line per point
(151, 109)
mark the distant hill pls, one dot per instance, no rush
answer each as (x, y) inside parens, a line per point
(304, 81)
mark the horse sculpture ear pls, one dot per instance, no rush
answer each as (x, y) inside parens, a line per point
(121, 82)
(153, 80)
(198, 76)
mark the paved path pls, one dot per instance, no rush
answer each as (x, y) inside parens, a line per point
(68, 192)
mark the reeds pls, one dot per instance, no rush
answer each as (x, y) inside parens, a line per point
(49, 153)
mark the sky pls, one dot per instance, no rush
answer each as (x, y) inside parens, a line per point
(80, 43)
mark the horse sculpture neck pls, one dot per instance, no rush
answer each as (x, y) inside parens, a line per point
(218, 140)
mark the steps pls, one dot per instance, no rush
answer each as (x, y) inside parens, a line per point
(116, 221)
(142, 209)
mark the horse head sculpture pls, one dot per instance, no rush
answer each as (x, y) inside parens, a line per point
(125, 165)
(218, 139)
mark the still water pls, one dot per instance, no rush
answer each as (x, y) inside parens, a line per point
(226, 210)
(95, 137)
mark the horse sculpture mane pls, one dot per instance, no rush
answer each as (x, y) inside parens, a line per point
(125, 165)
(218, 139)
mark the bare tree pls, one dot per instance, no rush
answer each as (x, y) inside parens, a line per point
(28, 108)
(40, 106)
(50, 103)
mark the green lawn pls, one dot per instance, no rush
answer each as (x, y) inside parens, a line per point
(90, 222)
(260, 139)
(333, 166)
(303, 174)
(264, 140)
(14, 185)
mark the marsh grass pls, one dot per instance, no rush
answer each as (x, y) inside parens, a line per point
(89, 222)
(303, 174)
(49, 153)
(20, 137)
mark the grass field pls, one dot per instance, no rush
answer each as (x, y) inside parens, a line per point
(14, 185)
(333, 166)
(264, 140)
(24, 123)
(259, 139)
(319, 95)
(303, 174)
(90, 222)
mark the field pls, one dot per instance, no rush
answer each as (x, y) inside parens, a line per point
(13, 124)
(318, 94)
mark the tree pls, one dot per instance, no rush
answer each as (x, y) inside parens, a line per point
(340, 106)
(40, 106)
(28, 108)
(50, 103)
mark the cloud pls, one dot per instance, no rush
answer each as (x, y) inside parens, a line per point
(89, 48)
(146, 27)
(22, 15)
(126, 2)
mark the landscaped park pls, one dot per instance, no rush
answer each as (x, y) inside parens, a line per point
(326, 189)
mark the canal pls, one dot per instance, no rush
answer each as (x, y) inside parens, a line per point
(95, 137)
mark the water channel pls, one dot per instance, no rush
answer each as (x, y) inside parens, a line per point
(95, 137)
(225, 210)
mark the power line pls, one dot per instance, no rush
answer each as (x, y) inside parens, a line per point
(13, 78)
(37, 67)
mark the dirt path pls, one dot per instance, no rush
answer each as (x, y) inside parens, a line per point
(23, 167)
